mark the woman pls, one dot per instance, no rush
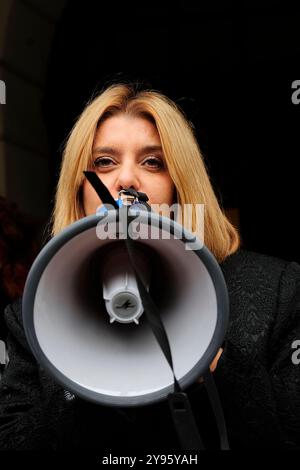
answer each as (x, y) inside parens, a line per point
(141, 140)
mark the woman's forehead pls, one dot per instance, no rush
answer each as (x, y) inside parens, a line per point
(121, 129)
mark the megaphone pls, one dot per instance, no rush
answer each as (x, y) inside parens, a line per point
(85, 321)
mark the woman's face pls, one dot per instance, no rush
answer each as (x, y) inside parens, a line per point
(127, 153)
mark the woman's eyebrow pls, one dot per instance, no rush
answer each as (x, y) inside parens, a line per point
(107, 150)
(115, 151)
(151, 148)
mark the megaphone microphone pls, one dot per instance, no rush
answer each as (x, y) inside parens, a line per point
(99, 311)
(120, 290)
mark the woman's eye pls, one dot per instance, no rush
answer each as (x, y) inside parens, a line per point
(154, 162)
(103, 162)
(106, 162)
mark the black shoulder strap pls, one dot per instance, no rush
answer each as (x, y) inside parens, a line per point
(182, 414)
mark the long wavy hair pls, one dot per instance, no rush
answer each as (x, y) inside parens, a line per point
(183, 158)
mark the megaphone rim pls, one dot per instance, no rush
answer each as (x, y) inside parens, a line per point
(85, 223)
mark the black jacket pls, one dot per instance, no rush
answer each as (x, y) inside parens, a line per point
(258, 383)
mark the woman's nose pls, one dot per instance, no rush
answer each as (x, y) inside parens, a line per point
(127, 178)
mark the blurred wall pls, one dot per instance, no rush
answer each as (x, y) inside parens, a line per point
(26, 32)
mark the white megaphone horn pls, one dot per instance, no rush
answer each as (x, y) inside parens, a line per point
(127, 321)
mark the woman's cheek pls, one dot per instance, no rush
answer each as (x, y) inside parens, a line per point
(90, 200)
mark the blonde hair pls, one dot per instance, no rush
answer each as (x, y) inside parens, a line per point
(182, 155)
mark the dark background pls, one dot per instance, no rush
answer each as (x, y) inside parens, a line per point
(231, 69)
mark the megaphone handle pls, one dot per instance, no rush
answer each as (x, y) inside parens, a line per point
(185, 423)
